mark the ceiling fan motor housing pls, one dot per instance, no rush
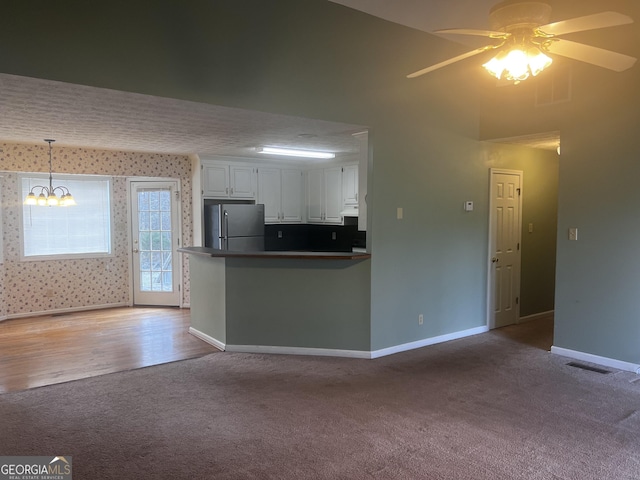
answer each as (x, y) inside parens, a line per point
(515, 15)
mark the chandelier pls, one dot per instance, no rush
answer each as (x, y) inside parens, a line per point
(47, 196)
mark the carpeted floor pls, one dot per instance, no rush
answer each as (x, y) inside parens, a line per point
(494, 406)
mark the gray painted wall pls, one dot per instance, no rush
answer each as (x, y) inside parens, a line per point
(208, 306)
(318, 60)
(596, 297)
(298, 303)
(598, 275)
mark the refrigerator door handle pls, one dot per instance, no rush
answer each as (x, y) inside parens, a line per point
(225, 232)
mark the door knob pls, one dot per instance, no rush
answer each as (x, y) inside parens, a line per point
(495, 259)
(135, 250)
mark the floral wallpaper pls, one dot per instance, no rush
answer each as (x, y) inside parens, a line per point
(77, 283)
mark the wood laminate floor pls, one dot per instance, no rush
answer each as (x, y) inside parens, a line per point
(44, 350)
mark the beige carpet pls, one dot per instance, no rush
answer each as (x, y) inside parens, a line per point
(494, 406)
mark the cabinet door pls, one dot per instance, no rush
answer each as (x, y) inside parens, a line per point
(291, 196)
(215, 180)
(241, 182)
(333, 195)
(315, 195)
(269, 193)
(350, 185)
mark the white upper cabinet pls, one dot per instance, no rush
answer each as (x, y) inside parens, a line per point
(280, 190)
(350, 185)
(228, 181)
(269, 193)
(324, 195)
(215, 180)
(242, 182)
(291, 195)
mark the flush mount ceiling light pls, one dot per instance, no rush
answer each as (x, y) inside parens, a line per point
(50, 199)
(294, 152)
(524, 38)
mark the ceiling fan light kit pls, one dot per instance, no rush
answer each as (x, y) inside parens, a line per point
(524, 38)
(518, 63)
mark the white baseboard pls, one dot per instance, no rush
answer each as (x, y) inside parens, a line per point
(206, 338)
(588, 357)
(535, 316)
(428, 341)
(185, 305)
(334, 352)
(323, 352)
(58, 311)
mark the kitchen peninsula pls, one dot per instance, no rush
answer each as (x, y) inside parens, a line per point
(314, 303)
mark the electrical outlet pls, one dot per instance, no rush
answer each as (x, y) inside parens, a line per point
(573, 233)
(420, 319)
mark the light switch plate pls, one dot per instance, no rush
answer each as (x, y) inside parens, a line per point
(573, 233)
(468, 206)
(399, 213)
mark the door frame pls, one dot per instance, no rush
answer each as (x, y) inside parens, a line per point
(180, 279)
(491, 319)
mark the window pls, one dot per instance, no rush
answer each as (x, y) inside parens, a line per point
(82, 230)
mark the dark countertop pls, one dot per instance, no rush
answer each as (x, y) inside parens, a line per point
(212, 252)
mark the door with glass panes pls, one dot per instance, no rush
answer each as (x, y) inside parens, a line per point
(154, 240)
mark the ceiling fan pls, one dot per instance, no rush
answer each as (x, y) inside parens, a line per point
(523, 37)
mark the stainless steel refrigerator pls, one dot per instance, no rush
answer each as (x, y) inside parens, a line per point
(234, 227)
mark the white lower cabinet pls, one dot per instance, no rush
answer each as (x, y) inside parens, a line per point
(280, 190)
(324, 195)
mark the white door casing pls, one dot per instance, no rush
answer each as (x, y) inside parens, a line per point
(505, 226)
(155, 236)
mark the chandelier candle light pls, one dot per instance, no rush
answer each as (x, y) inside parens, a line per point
(50, 199)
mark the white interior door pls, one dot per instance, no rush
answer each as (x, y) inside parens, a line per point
(504, 247)
(155, 239)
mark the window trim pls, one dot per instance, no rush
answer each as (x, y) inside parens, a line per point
(65, 256)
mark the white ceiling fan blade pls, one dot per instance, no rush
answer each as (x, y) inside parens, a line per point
(588, 22)
(450, 61)
(471, 31)
(594, 55)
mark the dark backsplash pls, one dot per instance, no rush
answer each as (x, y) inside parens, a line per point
(324, 238)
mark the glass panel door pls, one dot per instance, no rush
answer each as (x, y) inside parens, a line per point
(156, 273)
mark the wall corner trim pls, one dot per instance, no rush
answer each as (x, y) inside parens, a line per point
(588, 357)
(206, 338)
